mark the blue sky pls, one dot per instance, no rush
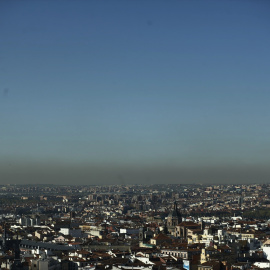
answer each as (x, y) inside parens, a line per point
(134, 91)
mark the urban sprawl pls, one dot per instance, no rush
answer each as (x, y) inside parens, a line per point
(135, 227)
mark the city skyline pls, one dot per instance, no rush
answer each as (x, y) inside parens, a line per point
(99, 92)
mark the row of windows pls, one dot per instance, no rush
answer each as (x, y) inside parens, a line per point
(175, 254)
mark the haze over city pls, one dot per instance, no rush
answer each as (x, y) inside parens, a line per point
(126, 92)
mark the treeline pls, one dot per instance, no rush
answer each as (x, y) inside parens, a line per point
(219, 214)
(260, 213)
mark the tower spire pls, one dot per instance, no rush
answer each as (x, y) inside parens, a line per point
(175, 206)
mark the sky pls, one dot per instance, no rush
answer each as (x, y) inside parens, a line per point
(134, 91)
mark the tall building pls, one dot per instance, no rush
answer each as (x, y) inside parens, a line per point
(173, 219)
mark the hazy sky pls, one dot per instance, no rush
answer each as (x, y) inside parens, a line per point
(134, 91)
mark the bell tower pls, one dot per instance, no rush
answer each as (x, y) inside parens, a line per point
(174, 218)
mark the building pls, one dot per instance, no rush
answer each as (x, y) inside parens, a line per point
(173, 219)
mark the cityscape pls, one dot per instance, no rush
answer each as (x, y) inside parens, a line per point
(134, 135)
(204, 227)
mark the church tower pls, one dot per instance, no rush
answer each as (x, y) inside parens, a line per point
(173, 219)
